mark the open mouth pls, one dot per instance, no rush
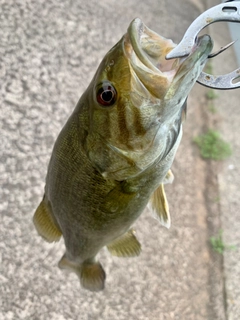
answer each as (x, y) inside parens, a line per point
(148, 50)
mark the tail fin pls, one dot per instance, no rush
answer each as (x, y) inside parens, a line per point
(44, 223)
(91, 274)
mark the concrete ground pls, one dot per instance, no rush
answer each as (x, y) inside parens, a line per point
(49, 51)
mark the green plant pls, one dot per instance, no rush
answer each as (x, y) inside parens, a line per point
(217, 199)
(218, 245)
(211, 94)
(212, 146)
(212, 108)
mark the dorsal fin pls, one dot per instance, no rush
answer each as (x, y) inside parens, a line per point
(159, 206)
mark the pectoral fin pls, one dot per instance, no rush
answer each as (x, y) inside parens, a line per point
(44, 223)
(159, 206)
(125, 246)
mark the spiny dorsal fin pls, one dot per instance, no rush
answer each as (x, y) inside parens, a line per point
(159, 206)
(125, 246)
(44, 223)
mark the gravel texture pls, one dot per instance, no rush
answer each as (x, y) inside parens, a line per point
(49, 51)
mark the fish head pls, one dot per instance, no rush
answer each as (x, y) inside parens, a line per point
(166, 82)
(136, 95)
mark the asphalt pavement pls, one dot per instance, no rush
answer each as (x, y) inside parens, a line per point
(49, 51)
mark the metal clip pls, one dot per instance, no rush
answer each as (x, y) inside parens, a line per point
(229, 11)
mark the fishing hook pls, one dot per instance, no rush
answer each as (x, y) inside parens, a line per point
(228, 11)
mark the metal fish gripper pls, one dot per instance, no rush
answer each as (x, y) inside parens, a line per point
(228, 11)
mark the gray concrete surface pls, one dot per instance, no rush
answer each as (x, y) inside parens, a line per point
(49, 51)
(228, 104)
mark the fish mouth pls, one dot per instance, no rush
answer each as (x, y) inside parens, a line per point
(150, 48)
(147, 50)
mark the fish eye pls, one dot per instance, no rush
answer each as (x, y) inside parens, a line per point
(106, 94)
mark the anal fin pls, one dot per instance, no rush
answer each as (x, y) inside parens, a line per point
(159, 206)
(44, 223)
(125, 246)
(90, 273)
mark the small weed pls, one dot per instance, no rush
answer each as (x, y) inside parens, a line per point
(212, 108)
(217, 199)
(212, 146)
(211, 94)
(218, 245)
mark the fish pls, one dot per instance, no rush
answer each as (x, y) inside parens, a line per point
(115, 152)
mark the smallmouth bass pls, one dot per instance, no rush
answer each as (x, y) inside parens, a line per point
(115, 152)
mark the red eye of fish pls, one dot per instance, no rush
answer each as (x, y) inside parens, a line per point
(106, 95)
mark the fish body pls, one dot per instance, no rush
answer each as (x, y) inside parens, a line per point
(115, 152)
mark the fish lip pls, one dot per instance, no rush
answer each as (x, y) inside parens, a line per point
(198, 54)
(198, 43)
(143, 44)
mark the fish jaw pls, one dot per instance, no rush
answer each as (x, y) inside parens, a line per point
(146, 51)
(190, 69)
